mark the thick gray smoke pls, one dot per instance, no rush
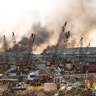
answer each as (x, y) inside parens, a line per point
(43, 34)
(81, 16)
(24, 41)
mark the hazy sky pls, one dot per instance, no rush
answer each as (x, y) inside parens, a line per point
(22, 13)
(19, 15)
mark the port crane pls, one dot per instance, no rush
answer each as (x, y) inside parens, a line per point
(31, 42)
(78, 65)
(5, 47)
(13, 39)
(5, 60)
(62, 40)
(15, 46)
(26, 60)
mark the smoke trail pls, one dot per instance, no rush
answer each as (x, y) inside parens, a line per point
(43, 34)
(81, 16)
(24, 41)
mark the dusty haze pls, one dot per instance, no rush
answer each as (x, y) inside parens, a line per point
(45, 18)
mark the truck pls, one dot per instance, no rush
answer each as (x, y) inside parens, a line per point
(35, 78)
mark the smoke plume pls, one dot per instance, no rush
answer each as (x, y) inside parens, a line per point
(43, 34)
(80, 14)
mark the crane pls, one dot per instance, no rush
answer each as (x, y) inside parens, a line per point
(26, 60)
(86, 57)
(15, 47)
(31, 41)
(13, 39)
(5, 47)
(5, 53)
(79, 63)
(14, 42)
(81, 54)
(63, 37)
(87, 47)
(62, 40)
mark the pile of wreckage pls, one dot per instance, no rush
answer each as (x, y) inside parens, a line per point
(38, 83)
(39, 75)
